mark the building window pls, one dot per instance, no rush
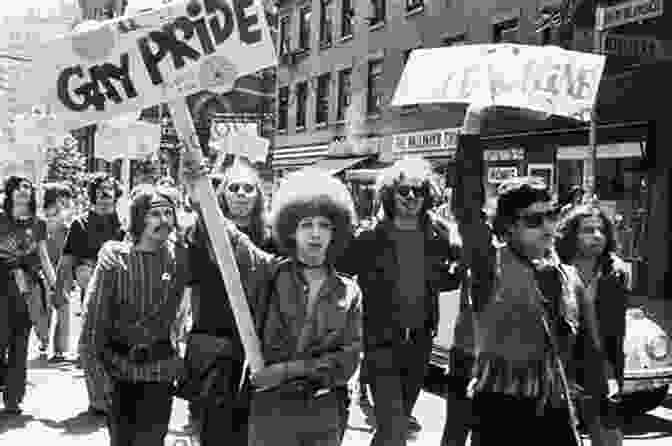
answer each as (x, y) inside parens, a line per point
(304, 28)
(283, 107)
(285, 23)
(344, 92)
(301, 104)
(375, 92)
(347, 17)
(326, 22)
(322, 102)
(505, 32)
(457, 40)
(412, 5)
(377, 12)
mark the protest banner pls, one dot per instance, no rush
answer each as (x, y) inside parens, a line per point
(127, 64)
(545, 79)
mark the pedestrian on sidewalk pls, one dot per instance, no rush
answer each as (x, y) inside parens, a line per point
(87, 234)
(131, 315)
(587, 240)
(402, 264)
(57, 208)
(26, 277)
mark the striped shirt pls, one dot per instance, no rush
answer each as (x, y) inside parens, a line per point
(138, 305)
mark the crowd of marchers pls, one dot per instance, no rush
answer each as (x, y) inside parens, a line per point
(343, 312)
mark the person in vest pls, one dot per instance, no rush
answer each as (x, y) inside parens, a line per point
(57, 208)
(87, 234)
(27, 277)
(132, 312)
(402, 263)
(531, 319)
(586, 239)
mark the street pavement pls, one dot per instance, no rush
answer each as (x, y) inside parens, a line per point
(56, 400)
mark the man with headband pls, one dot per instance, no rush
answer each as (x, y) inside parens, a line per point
(132, 311)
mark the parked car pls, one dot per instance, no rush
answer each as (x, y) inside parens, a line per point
(647, 349)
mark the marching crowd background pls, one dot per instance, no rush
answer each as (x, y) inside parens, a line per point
(343, 311)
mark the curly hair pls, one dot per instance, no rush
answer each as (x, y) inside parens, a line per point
(11, 184)
(97, 180)
(414, 168)
(515, 195)
(257, 229)
(309, 193)
(141, 203)
(566, 240)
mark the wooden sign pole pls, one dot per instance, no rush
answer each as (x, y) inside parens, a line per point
(213, 217)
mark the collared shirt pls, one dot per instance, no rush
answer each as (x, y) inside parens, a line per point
(134, 306)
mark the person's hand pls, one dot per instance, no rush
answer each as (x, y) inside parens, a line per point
(446, 229)
(109, 256)
(613, 388)
(271, 376)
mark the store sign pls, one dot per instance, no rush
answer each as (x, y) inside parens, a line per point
(500, 174)
(628, 12)
(512, 154)
(442, 140)
(354, 147)
(633, 46)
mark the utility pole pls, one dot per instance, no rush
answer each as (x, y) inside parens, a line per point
(590, 164)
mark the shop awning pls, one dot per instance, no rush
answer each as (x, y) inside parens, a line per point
(337, 165)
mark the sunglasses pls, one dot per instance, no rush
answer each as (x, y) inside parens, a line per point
(405, 190)
(235, 187)
(537, 219)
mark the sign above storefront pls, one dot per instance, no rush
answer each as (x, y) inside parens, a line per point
(644, 47)
(628, 12)
(512, 154)
(343, 148)
(427, 143)
(500, 174)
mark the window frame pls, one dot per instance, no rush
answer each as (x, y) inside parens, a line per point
(347, 19)
(379, 13)
(301, 104)
(326, 21)
(373, 87)
(322, 100)
(305, 27)
(344, 100)
(285, 34)
(283, 108)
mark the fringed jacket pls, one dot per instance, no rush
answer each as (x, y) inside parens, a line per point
(513, 351)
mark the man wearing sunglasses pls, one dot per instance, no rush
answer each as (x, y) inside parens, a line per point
(401, 266)
(532, 332)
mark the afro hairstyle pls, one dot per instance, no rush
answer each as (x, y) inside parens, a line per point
(308, 193)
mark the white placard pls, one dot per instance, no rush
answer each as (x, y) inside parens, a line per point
(500, 174)
(545, 79)
(132, 63)
(627, 12)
